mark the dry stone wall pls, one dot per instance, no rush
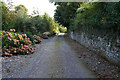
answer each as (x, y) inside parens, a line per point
(107, 47)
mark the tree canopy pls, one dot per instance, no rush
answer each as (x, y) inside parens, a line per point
(65, 12)
(93, 14)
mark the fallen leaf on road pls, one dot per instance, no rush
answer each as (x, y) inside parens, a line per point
(7, 70)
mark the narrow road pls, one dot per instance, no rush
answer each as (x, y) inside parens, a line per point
(55, 59)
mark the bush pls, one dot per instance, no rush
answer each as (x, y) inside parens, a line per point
(43, 36)
(31, 37)
(63, 29)
(15, 43)
(36, 39)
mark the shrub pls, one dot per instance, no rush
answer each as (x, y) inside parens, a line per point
(43, 36)
(31, 37)
(15, 43)
(36, 39)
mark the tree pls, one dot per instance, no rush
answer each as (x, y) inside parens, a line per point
(8, 17)
(21, 8)
(65, 12)
(46, 22)
(21, 11)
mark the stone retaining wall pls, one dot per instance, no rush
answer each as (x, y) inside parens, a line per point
(107, 47)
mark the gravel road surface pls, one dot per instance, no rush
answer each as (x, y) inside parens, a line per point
(53, 59)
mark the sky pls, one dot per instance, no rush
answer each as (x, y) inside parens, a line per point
(41, 5)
